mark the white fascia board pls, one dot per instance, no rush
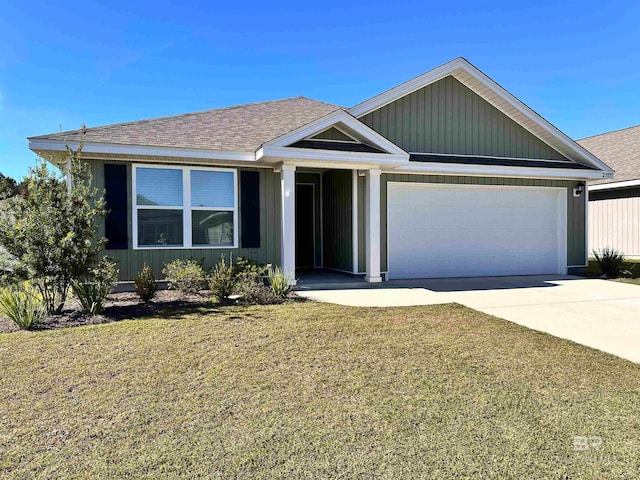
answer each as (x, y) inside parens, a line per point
(293, 153)
(609, 186)
(458, 65)
(498, 171)
(328, 121)
(405, 88)
(118, 149)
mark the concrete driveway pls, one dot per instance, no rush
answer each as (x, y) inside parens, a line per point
(597, 313)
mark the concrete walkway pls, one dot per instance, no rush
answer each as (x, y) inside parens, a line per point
(597, 313)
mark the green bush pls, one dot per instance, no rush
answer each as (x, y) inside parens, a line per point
(279, 282)
(145, 284)
(223, 278)
(246, 270)
(186, 276)
(92, 289)
(243, 278)
(611, 262)
(256, 293)
(22, 305)
(50, 231)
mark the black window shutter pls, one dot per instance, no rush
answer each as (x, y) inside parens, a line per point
(116, 221)
(250, 209)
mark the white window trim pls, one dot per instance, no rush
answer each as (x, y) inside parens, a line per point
(186, 208)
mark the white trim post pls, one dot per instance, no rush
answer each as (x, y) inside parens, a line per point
(288, 224)
(67, 172)
(372, 226)
(354, 218)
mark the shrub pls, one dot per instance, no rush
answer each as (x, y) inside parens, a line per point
(145, 284)
(223, 278)
(279, 282)
(611, 262)
(256, 293)
(186, 276)
(93, 288)
(50, 230)
(22, 305)
(246, 270)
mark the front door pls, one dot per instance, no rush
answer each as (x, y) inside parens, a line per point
(305, 223)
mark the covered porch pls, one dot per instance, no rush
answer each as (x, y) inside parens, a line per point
(330, 223)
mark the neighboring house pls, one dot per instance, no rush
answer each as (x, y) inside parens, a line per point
(614, 204)
(445, 175)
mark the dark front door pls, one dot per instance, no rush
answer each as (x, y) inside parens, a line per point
(305, 221)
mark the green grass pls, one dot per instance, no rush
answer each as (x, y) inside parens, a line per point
(308, 390)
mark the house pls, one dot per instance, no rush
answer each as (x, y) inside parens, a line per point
(445, 175)
(614, 204)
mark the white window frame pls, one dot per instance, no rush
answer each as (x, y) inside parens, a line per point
(186, 208)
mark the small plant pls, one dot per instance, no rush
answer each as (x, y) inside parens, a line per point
(257, 294)
(611, 262)
(223, 278)
(246, 270)
(93, 288)
(22, 305)
(186, 276)
(279, 282)
(145, 284)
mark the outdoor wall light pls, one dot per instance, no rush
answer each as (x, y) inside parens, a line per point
(578, 189)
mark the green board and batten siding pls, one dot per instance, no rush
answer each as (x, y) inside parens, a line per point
(447, 117)
(333, 134)
(575, 210)
(130, 261)
(337, 216)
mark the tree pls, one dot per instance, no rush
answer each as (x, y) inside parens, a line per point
(51, 230)
(8, 187)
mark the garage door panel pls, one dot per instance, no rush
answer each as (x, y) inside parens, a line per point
(436, 231)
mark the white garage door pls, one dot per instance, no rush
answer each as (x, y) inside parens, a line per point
(437, 230)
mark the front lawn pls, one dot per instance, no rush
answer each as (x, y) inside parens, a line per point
(309, 390)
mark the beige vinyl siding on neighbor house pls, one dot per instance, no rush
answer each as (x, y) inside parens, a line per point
(576, 248)
(614, 220)
(447, 117)
(131, 261)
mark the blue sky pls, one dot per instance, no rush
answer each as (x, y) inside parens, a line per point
(65, 63)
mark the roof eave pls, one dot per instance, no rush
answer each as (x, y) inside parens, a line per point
(52, 148)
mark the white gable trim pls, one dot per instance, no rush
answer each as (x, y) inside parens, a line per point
(493, 93)
(323, 123)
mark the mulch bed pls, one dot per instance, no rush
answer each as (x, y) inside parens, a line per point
(119, 306)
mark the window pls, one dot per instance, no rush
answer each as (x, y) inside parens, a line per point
(184, 207)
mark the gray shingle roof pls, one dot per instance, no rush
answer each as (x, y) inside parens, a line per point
(238, 128)
(620, 150)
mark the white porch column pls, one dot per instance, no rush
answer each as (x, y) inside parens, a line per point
(288, 234)
(372, 226)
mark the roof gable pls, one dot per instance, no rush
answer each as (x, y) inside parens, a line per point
(449, 118)
(494, 94)
(333, 134)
